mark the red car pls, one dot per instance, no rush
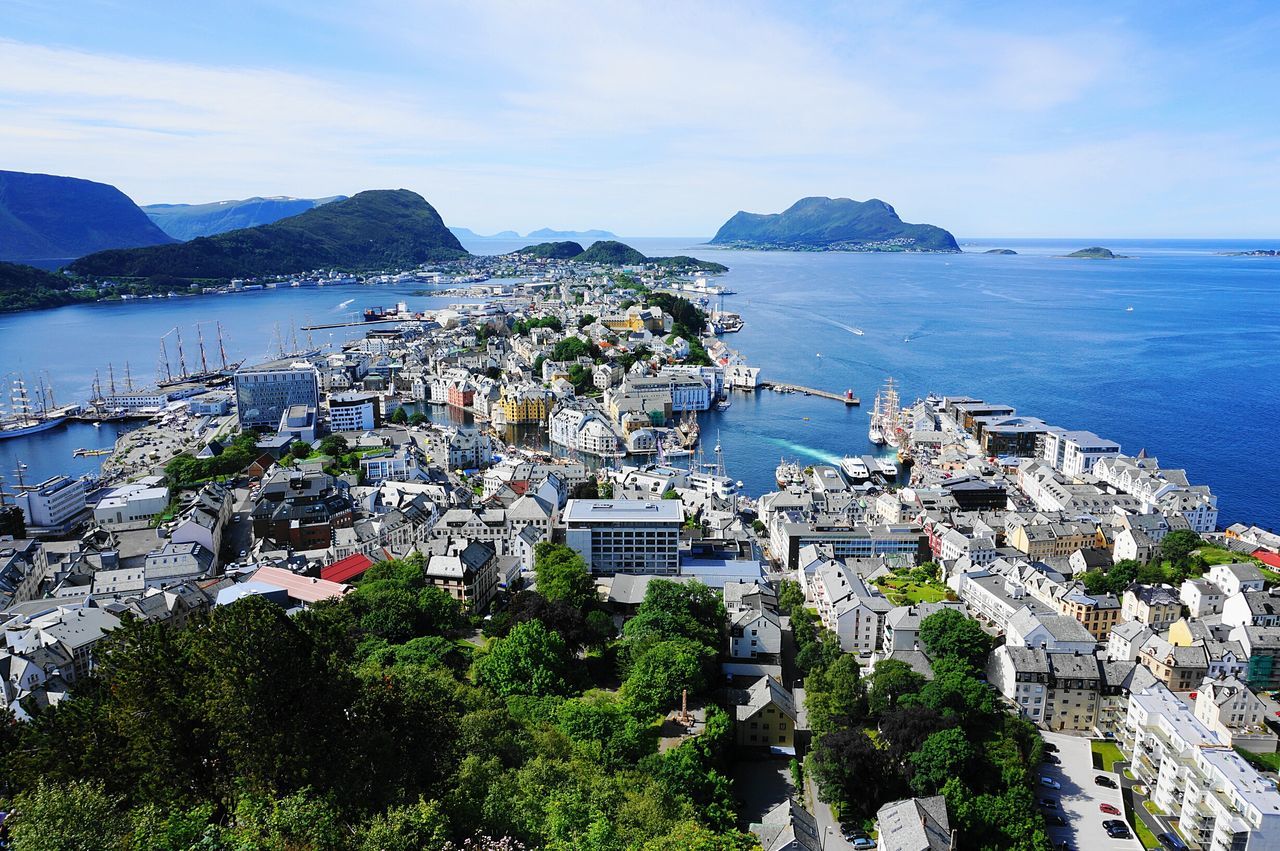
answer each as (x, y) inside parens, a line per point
(1109, 809)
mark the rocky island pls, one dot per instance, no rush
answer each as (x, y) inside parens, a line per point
(833, 224)
(613, 253)
(1096, 252)
(1000, 251)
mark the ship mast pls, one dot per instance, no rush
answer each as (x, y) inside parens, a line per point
(128, 378)
(97, 388)
(164, 357)
(204, 365)
(21, 404)
(222, 350)
(182, 358)
(111, 378)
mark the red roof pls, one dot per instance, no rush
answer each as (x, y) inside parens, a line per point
(346, 569)
(1268, 558)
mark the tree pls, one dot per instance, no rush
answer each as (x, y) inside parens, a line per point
(890, 681)
(406, 828)
(673, 610)
(76, 816)
(663, 671)
(955, 692)
(835, 695)
(905, 729)
(400, 416)
(950, 633)
(945, 754)
(562, 575)
(418, 418)
(851, 771)
(334, 445)
(300, 449)
(1177, 546)
(530, 660)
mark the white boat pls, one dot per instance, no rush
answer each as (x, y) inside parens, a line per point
(876, 436)
(855, 468)
(887, 468)
(1128, 310)
(723, 405)
(858, 331)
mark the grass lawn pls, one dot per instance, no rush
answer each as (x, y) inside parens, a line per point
(1265, 761)
(1153, 809)
(1109, 752)
(1144, 834)
(908, 593)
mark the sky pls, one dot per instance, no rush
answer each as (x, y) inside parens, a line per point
(660, 118)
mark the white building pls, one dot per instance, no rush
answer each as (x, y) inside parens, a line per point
(1234, 578)
(53, 503)
(265, 392)
(626, 536)
(585, 429)
(1201, 597)
(1075, 452)
(133, 505)
(754, 634)
(354, 412)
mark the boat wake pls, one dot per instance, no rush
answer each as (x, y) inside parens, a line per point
(344, 304)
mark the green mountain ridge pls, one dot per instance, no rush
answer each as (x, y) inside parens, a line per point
(189, 221)
(28, 288)
(833, 224)
(375, 229)
(47, 219)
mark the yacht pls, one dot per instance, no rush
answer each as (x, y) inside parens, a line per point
(875, 435)
(887, 468)
(855, 468)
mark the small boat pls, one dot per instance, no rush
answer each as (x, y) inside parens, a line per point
(788, 473)
(97, 425)
(1128, 310)
(858, 331)
(906, 339)
(723, 405)
(817, 354)
(875, 435)
(887, 468)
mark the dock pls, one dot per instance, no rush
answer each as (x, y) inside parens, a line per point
(786, 387)
(358, 324)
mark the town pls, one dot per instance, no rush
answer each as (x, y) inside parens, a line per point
(926, 650)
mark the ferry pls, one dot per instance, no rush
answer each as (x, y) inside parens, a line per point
(855, 468)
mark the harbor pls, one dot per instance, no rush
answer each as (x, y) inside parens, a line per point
(786, 387)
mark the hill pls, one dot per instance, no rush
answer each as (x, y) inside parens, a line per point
(29, 288)
(1097, 252)
(378, 229)
(48, 220)
(549, 234)
(612, 253)
(999, 251)
(833, 224)
(553, 250)
(188, 221)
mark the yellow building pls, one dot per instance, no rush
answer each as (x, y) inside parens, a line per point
(768, 718)
(1096, 612)
(526, 404)
(1045, 540)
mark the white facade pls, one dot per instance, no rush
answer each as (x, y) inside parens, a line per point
(133, 505)
(53, 502)
(626, 536)
(353, 412)
(1075, 452)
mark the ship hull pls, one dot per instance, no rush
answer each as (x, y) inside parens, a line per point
(32, 429)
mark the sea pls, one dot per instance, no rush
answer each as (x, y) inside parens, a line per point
(1175, 349)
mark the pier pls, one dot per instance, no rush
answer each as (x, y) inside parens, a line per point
(357, 324)
(785, 387)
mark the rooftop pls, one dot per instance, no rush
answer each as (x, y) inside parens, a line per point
(623, 511)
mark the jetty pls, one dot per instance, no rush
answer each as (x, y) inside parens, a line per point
(785, 387)
(354, 324)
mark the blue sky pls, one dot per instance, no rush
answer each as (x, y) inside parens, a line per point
(664, 118)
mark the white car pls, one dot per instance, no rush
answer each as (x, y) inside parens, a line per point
(1050, 782)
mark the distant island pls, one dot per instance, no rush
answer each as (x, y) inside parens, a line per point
(47, 220)
(188, 221)
(614, 253)
(833, 224)
(378, 229)
(548, 233)
(1097, 252)
(999, 251)
(1256, 252)
(468, 233)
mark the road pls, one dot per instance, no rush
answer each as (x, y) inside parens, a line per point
(828, 827)
(1156, 824)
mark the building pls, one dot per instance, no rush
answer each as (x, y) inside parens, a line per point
(1227, 707)
(1075, 452)
(1220, 801)
(134, 505)
(265, 392)
(528, 403)
(301, 510)
(767, 717)
(55, 504)
(1181, 668)
(468, 571)
(1201, 597)
(581, 427)
(1052, 632)
(299, 422)
(1157, 606)
(1235, 578)
(1098, 613)
(162, 568)
(755, 635)
(915, 824)
(626, 535)
(354, 411)
(788, 827)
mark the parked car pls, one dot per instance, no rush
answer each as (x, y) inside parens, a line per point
(1049, 803)
(1050, 747)
(864, 842)
(851, 833)
(1050, 758)
(1111, 824)
(1172, 841)
(1050, 782)
(1104, 780)
(1121, 832)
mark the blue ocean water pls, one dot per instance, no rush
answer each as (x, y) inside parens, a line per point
(1191, 373)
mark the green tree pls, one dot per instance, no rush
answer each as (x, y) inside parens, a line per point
(76, 816)
(400, 416)
(835, 695)
(851, 771)
(562, 575)
(300, 449)
(1177, 546)
(410, 827)
(673, 610)
(663, 671)
(950, 633)
(945, 754)
(890, 681)
(334, 445)
(955, 692)
(530, 660)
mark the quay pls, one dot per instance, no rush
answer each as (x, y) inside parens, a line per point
(785, 387)
(359, 324)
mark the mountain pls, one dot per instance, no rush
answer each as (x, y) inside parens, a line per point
(553, 250)
(188, 221)
(48, 220)
(833, 224)
(548, 233)
(1097, 252)
(613, 253)
(378, 229)
(29, 288)
(468, 233)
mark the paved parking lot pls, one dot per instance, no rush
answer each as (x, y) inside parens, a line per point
(1079, 798)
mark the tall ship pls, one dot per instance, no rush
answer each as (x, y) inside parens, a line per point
(166, 377)
(886, 417)
(29, 417)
